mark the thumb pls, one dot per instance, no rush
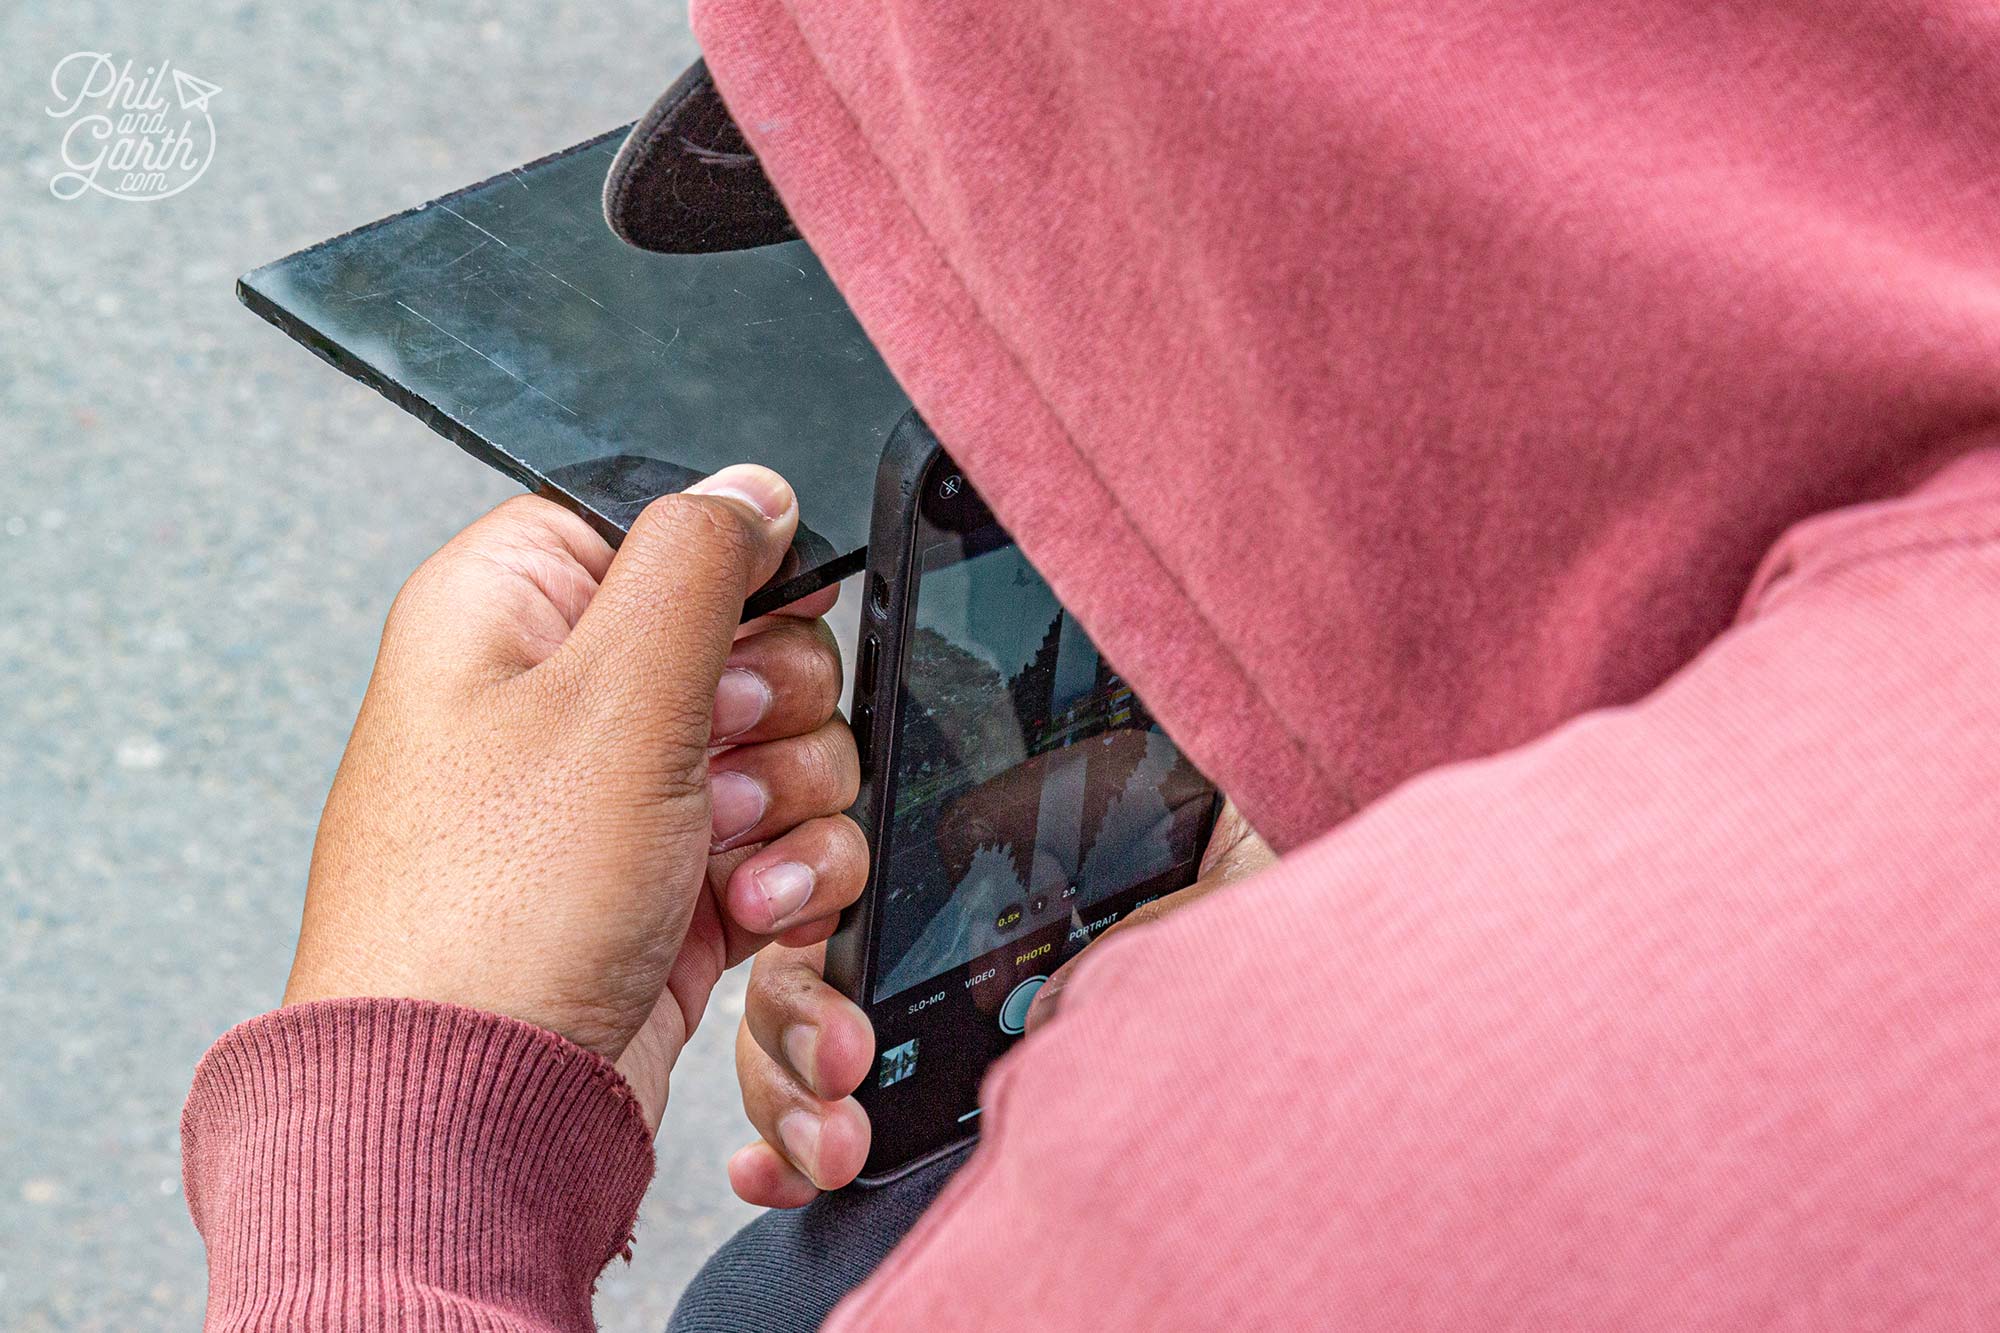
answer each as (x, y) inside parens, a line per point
(649, 648)
(1235, 852)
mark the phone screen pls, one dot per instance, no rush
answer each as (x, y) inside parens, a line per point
(1034, 802)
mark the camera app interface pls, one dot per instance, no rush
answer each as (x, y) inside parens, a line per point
(1031, 785)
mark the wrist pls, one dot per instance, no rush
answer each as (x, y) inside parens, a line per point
(427, 1148)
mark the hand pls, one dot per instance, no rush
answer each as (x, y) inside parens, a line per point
(803, 1047)
(1234, 852)
(578, 790)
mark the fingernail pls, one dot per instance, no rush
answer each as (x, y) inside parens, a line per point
(1043, 1007)
(741, 700)
(735, 804)
(801, 1043)
(759, 487)
(799, 1132)
(785, 887)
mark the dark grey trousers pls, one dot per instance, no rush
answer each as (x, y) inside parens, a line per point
(786, 1271)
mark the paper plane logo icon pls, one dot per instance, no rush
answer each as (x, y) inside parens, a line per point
(194, 93)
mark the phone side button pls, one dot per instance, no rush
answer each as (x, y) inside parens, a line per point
(864, 666)
(1014, 1013)
(862, 724)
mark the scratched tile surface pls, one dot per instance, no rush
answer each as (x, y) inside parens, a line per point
(507, 317)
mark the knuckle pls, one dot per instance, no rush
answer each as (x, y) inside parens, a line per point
(527, 506)
(553, 527)
(787, 991)
(844, 838)
(841, 763)
(845, 852)
(751, 1069)
(458, 574)
(760, 1010)
(821, 656)
(529, 512)
(831, 679)
(811, 661)
(422, 586)
(525, 521)
(669, 794)
(812, 779)
(761, 996)
(803, 666)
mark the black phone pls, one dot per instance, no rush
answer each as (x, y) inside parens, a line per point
(1018, 799)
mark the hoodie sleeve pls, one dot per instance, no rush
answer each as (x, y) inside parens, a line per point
(1681, 1018)
(387, 1164)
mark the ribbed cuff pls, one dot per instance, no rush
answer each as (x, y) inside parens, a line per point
(368, 1164)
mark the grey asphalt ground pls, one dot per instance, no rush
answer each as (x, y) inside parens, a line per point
(201, 527)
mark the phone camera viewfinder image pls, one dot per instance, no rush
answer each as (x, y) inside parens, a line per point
(1031, 801)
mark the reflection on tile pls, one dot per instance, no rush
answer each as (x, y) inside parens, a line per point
(510, 319)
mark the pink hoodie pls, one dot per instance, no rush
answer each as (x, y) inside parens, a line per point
(1609, 389)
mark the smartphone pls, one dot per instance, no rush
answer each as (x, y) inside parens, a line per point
(1018, 799)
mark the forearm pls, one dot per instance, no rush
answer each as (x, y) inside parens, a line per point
(392, 1164)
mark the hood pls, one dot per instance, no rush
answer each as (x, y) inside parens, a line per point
(1385, 383)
